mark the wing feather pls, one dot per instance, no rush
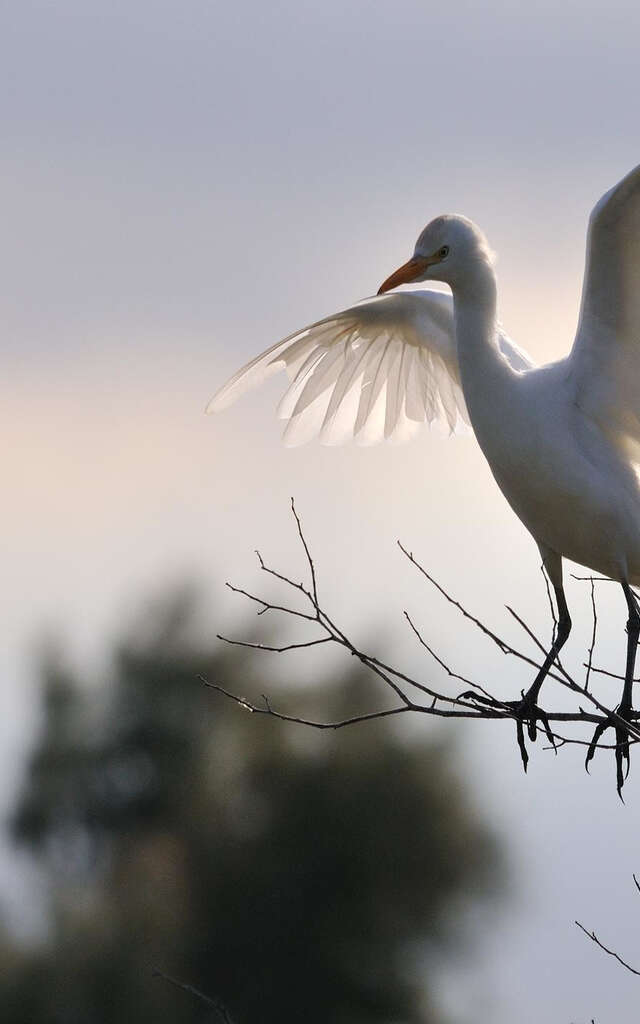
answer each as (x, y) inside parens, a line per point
(369, 427)
(342, 410)
(375, 371)
(415, 397)
(322, 377)
(395, 395)
(604, 364)
(289, 400)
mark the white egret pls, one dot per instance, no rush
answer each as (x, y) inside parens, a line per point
(562, 440)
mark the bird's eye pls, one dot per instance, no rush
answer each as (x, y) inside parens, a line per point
(442, 253)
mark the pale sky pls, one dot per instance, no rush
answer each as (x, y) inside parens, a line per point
(182, 185)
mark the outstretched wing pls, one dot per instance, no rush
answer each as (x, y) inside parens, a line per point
(374, 371)
(605, 359)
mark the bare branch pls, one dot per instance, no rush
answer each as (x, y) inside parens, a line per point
(611, 675)
(610, 716)
(276, 650)
(306, 551)
(279, 576)
(605, 949)
(527, 629)
(476, 703)
(268, 710)
(443, 664)
(502, 645)
(267, 606)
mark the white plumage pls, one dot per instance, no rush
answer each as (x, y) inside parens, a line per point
(372, 372)
(562, 440)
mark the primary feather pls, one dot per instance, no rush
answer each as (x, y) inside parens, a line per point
(605, 359)
(372, 372)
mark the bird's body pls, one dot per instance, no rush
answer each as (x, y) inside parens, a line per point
(569, 484)
(572, 485)
(562, 440)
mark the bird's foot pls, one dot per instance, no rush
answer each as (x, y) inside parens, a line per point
(524, 711)
(620, 722)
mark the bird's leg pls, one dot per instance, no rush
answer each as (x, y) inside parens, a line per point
(527, 709)
(626, 705)
(625, 708)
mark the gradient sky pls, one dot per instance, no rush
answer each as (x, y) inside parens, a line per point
(184, 183)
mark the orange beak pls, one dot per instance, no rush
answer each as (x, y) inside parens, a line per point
(409, 271)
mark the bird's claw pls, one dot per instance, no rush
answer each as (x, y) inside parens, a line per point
(523, 710)
(623, 760)
(527, 711)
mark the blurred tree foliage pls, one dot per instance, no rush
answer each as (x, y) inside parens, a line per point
(289, 874)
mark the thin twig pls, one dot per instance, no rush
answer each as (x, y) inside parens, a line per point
(214, 1004)
(275, 650)
(502, 645)
(610, 952)
(594, 613)
(267, 606)
(280, 576)
(268, 710)
(307, 553)
(536, 641)
(611, 675)
(443, 664)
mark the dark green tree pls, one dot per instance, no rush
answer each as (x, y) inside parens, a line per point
(287, 873)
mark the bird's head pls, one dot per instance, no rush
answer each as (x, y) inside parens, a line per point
(449, 249)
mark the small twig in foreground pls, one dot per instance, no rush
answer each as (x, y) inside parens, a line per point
(214, 1004)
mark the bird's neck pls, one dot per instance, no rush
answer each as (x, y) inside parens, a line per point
(474, 302)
